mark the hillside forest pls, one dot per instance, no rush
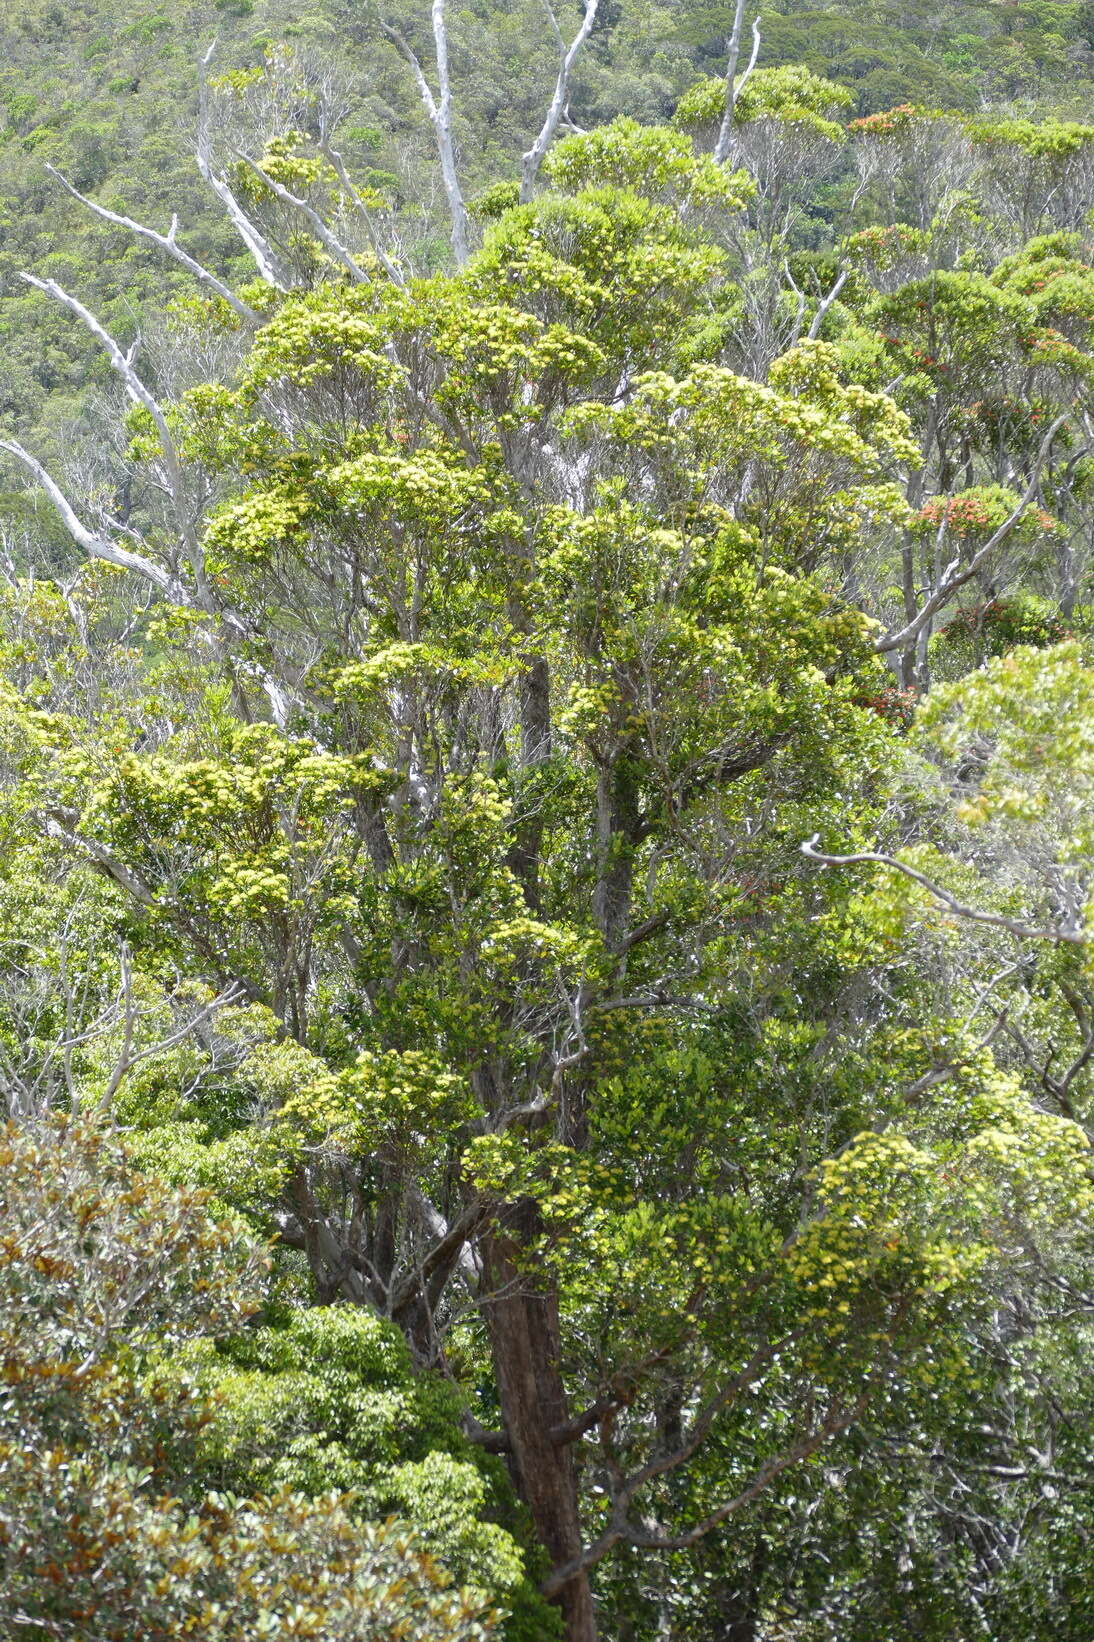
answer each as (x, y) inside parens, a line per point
(547, 821)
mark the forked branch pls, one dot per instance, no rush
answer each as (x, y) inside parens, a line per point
(568, 55)
(955, 574)
(439, 110)
(334, 158)
(166, 242)
(622, 1531)
(99, 546)
(249, 232)
(123, 366)
(724, 147)
(94, 544)
(323, 234)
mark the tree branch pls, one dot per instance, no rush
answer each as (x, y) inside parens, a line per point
(97, 546)
(59, 824)
(93, 544)
(532, 160)
(440, 118)
(723, 148)
(123, 366)
(725, 764)
(952, 577)
(621, 1531)
(492, 1442)
(836, 1423)
(166, 242)
(642, 932)
(824, 306)
(620, 1393)
(997, 920)
(322, 232)
(251, 236)
(444, 1253)
(335, 159)
(129, 1058)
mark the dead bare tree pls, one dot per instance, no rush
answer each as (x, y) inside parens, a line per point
(248, 231)
(166, 242)
(438, 108)
(176, 571)
(73, 1036)
(568, 54)
(724, 146)
(439, 111)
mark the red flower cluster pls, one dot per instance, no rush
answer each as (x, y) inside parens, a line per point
(897, 707)
(879, 125)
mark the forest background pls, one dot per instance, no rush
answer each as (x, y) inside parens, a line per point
(108, 95)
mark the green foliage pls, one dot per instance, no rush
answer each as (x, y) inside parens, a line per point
(403, 844)
(102, 1527)
(328, 1399)
(654, 163)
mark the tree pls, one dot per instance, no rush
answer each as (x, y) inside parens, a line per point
(504, 556)
(500, 637)
(101, 1269)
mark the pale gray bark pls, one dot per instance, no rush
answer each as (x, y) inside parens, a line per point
(955, 575)
(723, 148)
(1070, 934)
(335, 159)
(249, 233)
(439, 110)
(533, 158)
(323, 234)
(166, 242)
(94, 544)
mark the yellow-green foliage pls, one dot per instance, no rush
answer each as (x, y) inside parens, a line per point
(327, 1398)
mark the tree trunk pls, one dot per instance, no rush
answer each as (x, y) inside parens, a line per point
(617, 831)
(522, 1315)
(535, 728)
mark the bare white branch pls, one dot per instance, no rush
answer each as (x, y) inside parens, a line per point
(439, 110)
(140, 395)
(95, 545)
(166, 242)
(129, 1057)
(825, 305)
(322, 233)
(724, 147)
(248, 232)
(60, 824)
(533, 158)
(954, 576)
(1070, 933)
(390, 268)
